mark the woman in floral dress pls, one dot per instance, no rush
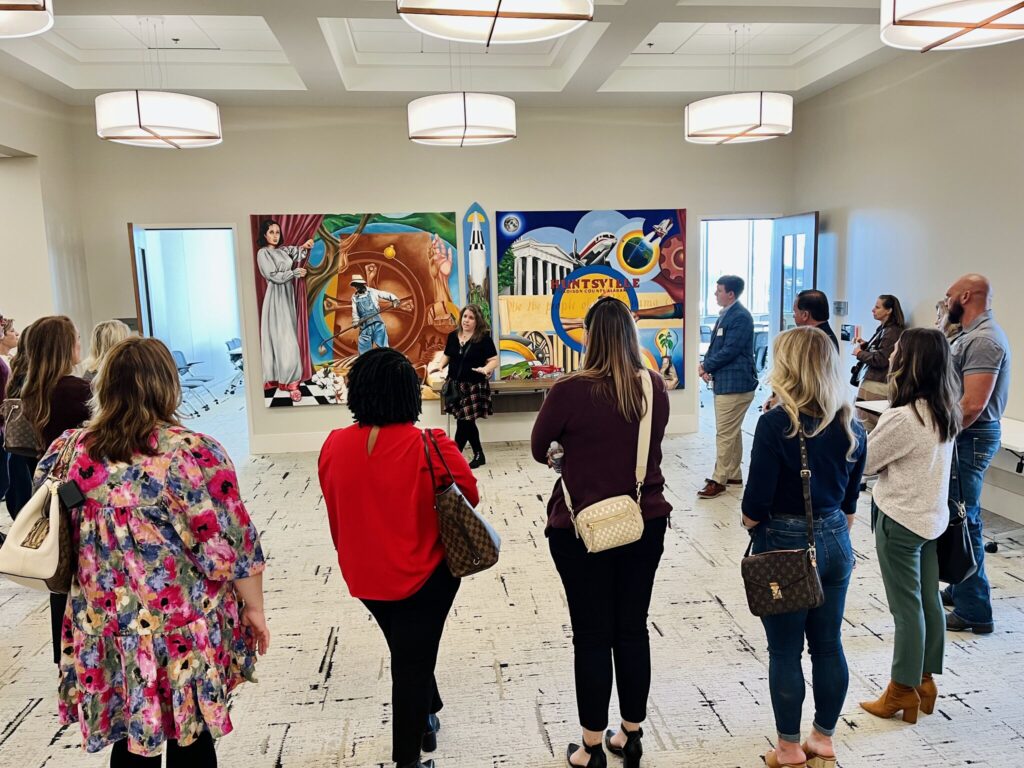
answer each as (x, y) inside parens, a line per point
(165, 615)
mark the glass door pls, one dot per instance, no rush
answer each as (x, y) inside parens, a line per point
(794, 264)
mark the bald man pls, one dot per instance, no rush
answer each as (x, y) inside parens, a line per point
(981, 356)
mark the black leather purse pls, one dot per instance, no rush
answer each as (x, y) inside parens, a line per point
(857, 372)
(956, 555)
(786, 580)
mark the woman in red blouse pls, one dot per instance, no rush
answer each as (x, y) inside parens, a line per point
(380, 505)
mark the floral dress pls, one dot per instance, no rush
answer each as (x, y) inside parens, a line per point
(152, 642)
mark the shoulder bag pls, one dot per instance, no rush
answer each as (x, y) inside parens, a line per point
(470, 543)
(617, 521)
(858, 370)
(20, 437)
(786, 580)
(955, 553)
(39, 551)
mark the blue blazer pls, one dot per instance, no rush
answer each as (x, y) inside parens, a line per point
(730, 357)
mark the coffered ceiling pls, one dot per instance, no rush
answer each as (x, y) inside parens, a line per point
(359, 53)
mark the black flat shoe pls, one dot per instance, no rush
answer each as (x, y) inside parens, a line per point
(430, 735)
(418, 764)
(947, 599)
(597, 758)
(955, 623)
(478, 461)
(631, 752)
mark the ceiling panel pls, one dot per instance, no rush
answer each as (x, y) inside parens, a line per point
(95, 39)
(780, 45)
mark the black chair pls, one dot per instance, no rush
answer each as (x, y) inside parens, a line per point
(235, 356)
(705, 334)
(760, 352)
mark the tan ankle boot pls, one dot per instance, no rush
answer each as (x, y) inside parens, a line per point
(896, 697)
(928, 692)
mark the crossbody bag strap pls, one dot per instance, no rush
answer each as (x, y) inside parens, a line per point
(62, 467)
(437, 448)
(430, 463)
(955, 478)
(805, 481)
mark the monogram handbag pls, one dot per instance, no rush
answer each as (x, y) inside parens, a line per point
(956, 555)
(786, 580)
(20, 437)
(470, 543)
(39, 550)
(617, 521)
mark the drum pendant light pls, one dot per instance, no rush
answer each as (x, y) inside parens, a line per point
(496, 21)
(930, 25)
(25, 19)
(462, 119)
(157, 119)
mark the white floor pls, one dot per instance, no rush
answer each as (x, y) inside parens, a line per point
(506, 664)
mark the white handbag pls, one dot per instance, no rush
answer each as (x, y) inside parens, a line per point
(31, 555)
(617, 521)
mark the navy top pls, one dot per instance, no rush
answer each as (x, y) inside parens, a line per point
(773, 481)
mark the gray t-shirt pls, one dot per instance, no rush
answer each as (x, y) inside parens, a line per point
(982, 347)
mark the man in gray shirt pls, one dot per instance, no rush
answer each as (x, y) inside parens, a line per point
(981, 356)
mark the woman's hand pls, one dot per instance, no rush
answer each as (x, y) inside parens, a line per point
(254, 618)
(857, 348)
(482, 370)
(300, 272)
(308, 244)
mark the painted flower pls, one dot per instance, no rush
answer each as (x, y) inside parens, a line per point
(224, 486)
(92, 680)
(205, 457)
(205, 525)
(89, 474)
(170, 599)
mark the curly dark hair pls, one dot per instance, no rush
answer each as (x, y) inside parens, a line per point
(383, 389)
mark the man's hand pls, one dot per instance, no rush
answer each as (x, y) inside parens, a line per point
(749, 523)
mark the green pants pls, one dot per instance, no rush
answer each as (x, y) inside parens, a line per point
(910, 572)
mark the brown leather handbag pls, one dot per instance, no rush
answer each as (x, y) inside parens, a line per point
(786, 580)
(470, 543)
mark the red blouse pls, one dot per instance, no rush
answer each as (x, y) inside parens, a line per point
(381, 507)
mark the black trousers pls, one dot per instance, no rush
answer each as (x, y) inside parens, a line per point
(609, 594)
(19, 490)
(466, 431)
(199, 754)
(412, 628)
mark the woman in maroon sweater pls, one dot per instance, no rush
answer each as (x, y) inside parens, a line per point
(380, 504)
(55, 401)
(595, 415)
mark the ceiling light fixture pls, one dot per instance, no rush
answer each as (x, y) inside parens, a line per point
(157, 119)
(462, 119)
(738, 118)
(927, 25)
(25, 19)
(496, 21)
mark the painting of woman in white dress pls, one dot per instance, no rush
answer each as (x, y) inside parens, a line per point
(281, 266)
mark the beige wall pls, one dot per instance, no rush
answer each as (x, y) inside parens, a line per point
(31, 295)
(37, 125)
(360, 160)
(917, 169)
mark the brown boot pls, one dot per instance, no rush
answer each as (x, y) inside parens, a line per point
(896, 697)
(928, 692)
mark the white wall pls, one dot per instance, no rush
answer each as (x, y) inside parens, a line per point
(26, 289)
(37, 125)
(333, 160)
(917, 169)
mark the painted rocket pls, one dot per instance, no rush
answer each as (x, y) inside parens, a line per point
(477, 252)
(660, 230)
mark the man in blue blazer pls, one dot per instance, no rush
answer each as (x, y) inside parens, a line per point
(729, 366)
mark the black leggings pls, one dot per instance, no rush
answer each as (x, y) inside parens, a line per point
(466, 431)
(198, 754)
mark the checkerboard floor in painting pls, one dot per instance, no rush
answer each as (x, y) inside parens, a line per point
(311, 395)
(506, 661)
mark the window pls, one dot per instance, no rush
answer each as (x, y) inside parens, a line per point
(736, 247)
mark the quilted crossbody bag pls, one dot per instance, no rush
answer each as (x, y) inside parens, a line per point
(39, 550)
(470, 543)
(786, 580)
(617, 521)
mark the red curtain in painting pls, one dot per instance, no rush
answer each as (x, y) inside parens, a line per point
(295, 230)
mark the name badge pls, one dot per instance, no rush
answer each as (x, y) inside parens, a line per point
(721, 332)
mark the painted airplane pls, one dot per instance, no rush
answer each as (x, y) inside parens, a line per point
(597, 250)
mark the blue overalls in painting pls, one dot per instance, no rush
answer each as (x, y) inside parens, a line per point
(373, 332)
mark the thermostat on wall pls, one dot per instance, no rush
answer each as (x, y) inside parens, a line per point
(840, 308)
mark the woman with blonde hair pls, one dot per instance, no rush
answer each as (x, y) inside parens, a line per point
(595, 414)
(812, 399)
(54, 400)
(104, 336)
(165, 615)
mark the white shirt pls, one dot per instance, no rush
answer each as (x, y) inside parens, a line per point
(912, 468)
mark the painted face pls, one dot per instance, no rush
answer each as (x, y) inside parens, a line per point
(273, 235)
(468, 322)
(879, 312)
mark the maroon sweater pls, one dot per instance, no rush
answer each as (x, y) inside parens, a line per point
(69, 407)
(600, 449)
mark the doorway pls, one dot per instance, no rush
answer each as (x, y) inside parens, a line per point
(186, 296)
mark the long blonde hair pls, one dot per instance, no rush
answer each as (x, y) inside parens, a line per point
(807, 378)
(104, 336)
(612, 360)
(53, 357)
(137, 390)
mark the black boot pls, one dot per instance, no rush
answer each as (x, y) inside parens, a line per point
(633, 749)
(430, 734)
(478, 460)
(417, 764)
(596, 759)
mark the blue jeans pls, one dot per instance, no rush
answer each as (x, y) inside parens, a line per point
(829, 673)
(374, 333)
(976, 445)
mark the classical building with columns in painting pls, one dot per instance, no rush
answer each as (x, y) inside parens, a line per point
(538, 265)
